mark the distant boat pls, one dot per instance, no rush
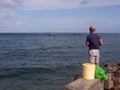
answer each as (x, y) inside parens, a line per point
(76, 33)
(48, 34)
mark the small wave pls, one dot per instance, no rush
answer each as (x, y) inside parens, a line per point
(14, 73)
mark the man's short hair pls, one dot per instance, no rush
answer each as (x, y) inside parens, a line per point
(92, 27)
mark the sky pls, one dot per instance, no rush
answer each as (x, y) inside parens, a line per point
(59, 15)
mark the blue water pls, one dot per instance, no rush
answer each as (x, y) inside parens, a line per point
(33, 61)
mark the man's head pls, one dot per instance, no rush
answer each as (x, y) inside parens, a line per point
(92, 29)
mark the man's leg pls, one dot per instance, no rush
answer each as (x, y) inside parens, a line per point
(97, 57)
(92, 57)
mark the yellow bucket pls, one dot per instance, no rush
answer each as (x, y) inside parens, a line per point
(88, 71)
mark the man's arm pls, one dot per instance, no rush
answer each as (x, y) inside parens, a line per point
(101, 42)
(87, 43)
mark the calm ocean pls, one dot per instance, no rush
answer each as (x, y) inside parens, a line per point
(30, 61)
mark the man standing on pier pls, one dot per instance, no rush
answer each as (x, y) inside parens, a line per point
(94, 41)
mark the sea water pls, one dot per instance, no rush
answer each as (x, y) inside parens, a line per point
(35, 61)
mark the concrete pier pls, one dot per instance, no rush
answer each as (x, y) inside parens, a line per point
(94, 84)
(83, 84)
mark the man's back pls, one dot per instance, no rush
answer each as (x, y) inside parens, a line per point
(94, 41)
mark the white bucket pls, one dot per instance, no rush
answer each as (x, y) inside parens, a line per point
(88, 71)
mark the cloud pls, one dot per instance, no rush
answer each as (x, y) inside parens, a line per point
(66, 4)
(11, 3)
(6, 13)
(7, 6)
(55, 4)
(19, 23)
